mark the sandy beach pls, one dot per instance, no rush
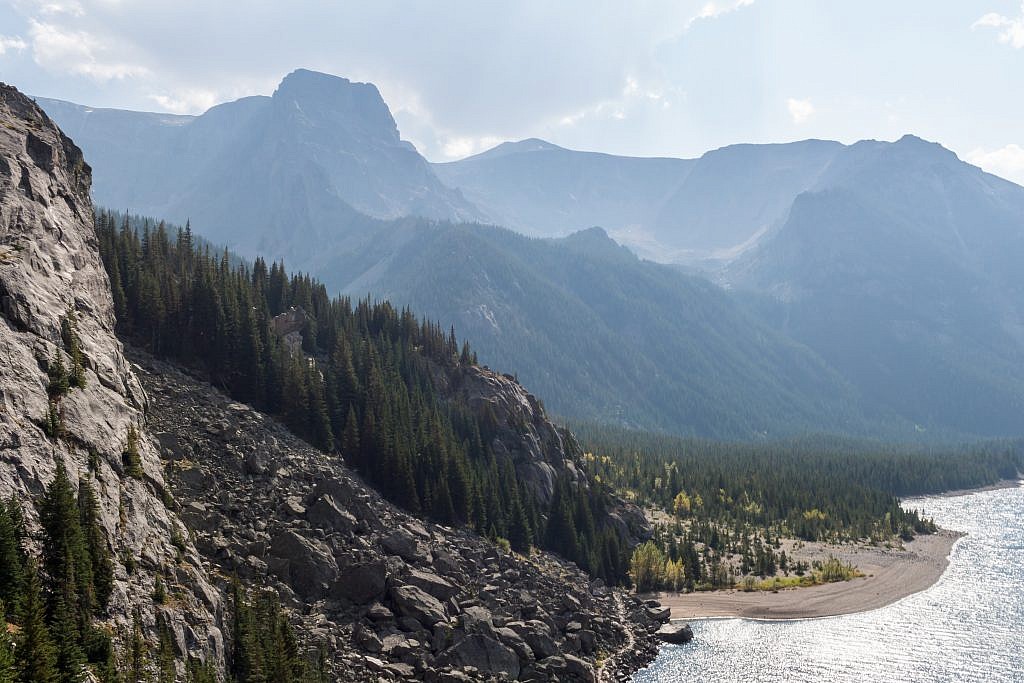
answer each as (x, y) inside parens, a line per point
(889, 574)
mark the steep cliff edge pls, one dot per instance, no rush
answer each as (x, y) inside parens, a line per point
(50, 270)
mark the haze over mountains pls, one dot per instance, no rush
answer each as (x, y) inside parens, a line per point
(872, 288)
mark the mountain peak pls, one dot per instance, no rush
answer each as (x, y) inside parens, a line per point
(519, 147)
(335, 101)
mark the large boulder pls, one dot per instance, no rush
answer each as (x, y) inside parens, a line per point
(537, 635)
(361, 583)
(401, 542)
(325, 514)
(411, 601)
(675, 633)
(430, 582)
(485, 654)
(305, 564)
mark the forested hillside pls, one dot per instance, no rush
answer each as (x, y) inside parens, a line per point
(603, 334)
(365, 380)
(730, 499)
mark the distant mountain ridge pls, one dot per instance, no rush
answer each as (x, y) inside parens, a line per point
(873, 287)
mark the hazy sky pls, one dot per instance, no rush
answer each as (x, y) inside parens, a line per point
(672, 78)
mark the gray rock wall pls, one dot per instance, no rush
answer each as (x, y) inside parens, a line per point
(50, 265)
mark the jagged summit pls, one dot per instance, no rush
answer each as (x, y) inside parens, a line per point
(323, 99)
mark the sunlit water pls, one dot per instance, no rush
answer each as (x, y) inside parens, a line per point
(969, 626)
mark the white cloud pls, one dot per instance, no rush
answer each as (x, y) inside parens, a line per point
(713, 10)
(460, 147)
(74, 52)
(1006, 162)
(72, 8)
(11, 43)
(187, 101)
(1011, 29)
(800, 110)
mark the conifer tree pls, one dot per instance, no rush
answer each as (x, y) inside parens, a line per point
(60, 383)
(73, 345)
(130, 456)
(96, 543)
(519, 534)
(70, 659)
(166, 670)
(138, 653)
(54, 425)
(12, 557)
(34, 652)
(8, 665)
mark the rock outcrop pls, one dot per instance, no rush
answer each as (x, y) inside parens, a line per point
(50, 269)
(675, 633)
(540, 451)
(389, 595)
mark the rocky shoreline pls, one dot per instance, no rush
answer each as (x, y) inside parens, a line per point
(390, 597)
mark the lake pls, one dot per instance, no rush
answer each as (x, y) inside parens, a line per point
(969, 626)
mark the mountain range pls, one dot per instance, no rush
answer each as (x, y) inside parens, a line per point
(865, 289)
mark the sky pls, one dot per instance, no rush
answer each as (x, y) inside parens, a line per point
(645, 78)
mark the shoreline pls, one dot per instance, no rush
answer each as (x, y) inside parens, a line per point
(998, 486)
(890, 575)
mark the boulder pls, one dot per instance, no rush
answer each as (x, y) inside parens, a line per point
(661, 614)
(485, 654)
(402, 543)
(306, 564)
(476, 619)
(675, 633)
(537, 635)
(431, 583)
(361, 583)
(325, 514)
(411, 601)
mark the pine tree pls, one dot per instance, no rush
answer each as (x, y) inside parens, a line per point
(519, 534)
(166, 670)
(12, 557)
(73, 344)
(65, 555)
(54, 424)
(34, 653)
(8, 665)
(138, 653)
(350, 438)
(64, 629)
(96, 543)
(60, 383)
(130, 456)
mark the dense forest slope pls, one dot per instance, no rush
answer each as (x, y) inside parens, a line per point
(604, 334)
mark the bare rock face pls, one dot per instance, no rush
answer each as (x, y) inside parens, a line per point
(50, 266)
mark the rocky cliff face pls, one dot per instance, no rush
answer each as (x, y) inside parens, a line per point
(540, 451)
(50, 266)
